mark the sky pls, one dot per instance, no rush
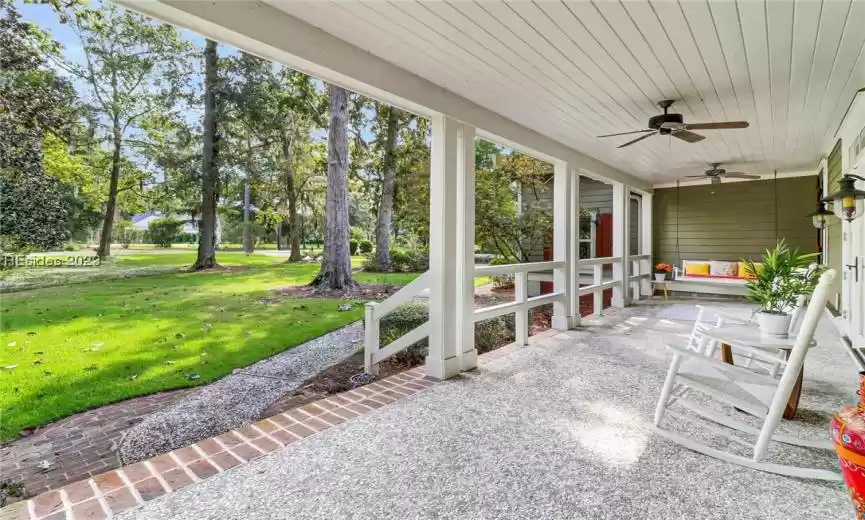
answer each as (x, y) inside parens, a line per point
(46, 18)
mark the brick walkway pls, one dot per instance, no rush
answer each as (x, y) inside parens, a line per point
(109, 493)
(78, 447)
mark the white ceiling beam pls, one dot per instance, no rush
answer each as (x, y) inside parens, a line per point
(273, 34)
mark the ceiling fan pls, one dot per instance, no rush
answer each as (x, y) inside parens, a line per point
(716, 174)
(674, 125)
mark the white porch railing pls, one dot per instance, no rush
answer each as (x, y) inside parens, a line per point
(374, 353)
(522, 303)
(640, 270)
(598, 284)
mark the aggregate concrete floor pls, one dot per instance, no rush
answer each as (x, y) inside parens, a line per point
(559, 429)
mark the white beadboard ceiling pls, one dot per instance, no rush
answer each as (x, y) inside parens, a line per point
(574, 70)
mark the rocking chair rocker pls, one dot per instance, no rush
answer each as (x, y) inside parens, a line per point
(758, 394)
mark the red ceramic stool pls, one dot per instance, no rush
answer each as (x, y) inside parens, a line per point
(848, 434)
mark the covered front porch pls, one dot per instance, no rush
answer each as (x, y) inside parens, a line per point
(560, 428)
(557, 425)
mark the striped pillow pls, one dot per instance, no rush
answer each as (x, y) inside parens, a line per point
(717, 268)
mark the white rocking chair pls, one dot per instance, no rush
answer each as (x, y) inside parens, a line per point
(761, 395)
(842, 328)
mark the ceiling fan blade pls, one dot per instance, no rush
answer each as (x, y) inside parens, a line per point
(687, 136)
(695, 176)
(626, 133)
(718, 126)
(741, 175)
(629, 143)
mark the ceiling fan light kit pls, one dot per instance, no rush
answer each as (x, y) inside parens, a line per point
(716, 173)
(674, 125)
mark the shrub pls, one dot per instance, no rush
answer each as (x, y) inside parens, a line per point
(186, 238)
(352, 246)
(163, 230)
(72, 246)
(370, 264)
(489, 334)
(365, 247)
(493, 333)
(504, 280)
(124, 233)
(356, 233)
(401, 320)
(409, 260)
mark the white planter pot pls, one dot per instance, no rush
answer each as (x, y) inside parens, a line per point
(660, 277)
(773, 324)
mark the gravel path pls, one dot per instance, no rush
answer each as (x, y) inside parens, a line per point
(239, 398)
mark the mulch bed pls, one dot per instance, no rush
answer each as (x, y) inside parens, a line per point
(331, 381)
(360, 292)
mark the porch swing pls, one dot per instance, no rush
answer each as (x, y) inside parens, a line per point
(696, 276)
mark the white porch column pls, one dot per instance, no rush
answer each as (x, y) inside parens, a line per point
(448, 221)
(621, 207)
(646, 266)
(566, 214)
(465, 232)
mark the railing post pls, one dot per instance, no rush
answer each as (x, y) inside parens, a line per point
(621, 239)
(646, 240)
(371, 338)
(635, 285)
(598, 306)
(521, 317)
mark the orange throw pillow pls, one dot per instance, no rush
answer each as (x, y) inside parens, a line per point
(696, 269)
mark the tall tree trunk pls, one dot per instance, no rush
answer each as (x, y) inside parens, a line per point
(104, 250)
(291, 192)
(336, 266)
(209, 170)
(385, 205)
(248, 245)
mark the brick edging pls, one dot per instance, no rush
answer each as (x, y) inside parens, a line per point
(110, 493)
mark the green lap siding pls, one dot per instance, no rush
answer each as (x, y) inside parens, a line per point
(733, 220)
(833, 231)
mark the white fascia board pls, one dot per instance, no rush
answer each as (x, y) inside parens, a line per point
(270, 33)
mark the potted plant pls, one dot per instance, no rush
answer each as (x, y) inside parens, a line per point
(661, 271)
(776, 285)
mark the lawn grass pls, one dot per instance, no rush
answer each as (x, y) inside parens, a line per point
(75, 347)
(126, 265)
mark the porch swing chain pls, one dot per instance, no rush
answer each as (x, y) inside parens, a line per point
(775, 200)
(678, 259)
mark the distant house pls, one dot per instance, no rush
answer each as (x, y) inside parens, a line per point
(142, 221)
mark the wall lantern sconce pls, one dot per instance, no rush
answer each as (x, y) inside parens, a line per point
(820, 218)
(848, 203)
